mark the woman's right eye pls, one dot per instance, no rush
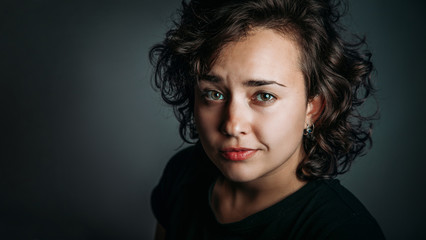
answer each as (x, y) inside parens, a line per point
(213, 95)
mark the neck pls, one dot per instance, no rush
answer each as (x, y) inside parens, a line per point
(234, 201)
(270, 189)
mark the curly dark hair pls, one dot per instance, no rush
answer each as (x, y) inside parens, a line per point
(337, 70)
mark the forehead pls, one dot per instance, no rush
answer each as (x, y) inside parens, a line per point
(262, 53)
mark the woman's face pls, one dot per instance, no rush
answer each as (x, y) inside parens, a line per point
(251, 108)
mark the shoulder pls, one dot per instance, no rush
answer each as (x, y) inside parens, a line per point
(186, 170)
(341, 214)
(178, 170)
(179, 165)
(187, 165)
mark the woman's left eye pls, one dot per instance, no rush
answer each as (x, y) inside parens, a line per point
(264, 97)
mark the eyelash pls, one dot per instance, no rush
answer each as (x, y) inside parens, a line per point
(270, 98)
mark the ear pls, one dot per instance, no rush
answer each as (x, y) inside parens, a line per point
(314, 109)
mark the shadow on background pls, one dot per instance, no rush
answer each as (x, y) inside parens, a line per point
(85, 137)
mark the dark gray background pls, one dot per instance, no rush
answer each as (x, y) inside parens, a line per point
(84, 137)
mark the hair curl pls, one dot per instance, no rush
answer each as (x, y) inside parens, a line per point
(337, 70)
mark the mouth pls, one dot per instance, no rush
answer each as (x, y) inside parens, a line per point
(237, 154)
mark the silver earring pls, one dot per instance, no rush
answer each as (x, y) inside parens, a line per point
(309, 130)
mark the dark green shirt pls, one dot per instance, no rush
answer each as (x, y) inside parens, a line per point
(322, 209)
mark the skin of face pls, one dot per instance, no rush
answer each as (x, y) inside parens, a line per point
(253, 100)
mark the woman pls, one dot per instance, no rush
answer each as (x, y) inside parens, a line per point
(270, 93)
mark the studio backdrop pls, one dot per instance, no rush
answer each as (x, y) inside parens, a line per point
(85, 138)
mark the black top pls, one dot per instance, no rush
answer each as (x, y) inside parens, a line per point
(322, 209)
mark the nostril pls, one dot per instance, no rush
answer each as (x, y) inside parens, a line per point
(224, 132)
(234, 127)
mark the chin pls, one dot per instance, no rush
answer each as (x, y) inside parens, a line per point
(238, 174)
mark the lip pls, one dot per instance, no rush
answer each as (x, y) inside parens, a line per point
(237, 153)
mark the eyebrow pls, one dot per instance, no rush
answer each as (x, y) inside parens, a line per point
(249, 83)
(257, 83)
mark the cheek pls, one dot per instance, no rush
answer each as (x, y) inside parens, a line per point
(283, 126)
(205, 119)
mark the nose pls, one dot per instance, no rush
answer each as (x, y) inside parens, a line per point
(236, 120)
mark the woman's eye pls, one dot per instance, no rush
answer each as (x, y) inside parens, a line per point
(264, 97)
(214, 95)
